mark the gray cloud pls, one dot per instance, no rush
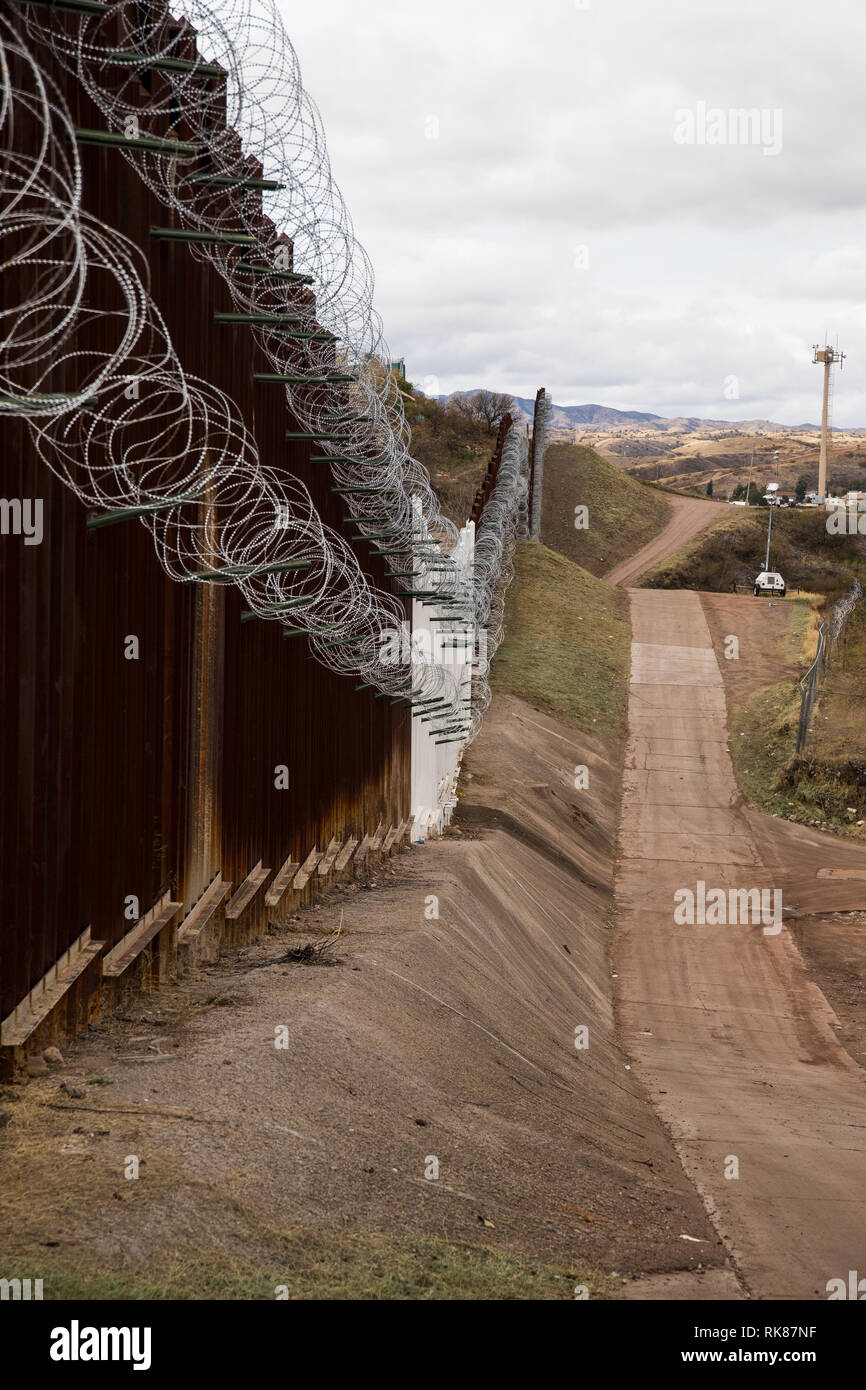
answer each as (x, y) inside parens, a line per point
(556, 131)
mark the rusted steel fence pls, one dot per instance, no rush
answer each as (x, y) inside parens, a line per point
(155, 748)
(489, 480)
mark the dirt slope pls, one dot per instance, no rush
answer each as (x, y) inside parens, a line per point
(623, 514)
(450, 1038)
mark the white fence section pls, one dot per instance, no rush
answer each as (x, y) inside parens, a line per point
(458, 636)
(436, 756)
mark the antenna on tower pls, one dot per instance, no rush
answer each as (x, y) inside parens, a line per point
(828, 356)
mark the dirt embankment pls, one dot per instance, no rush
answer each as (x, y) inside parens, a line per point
(443, 1030)
(622, 515)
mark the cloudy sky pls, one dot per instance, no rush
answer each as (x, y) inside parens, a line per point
(554, 193)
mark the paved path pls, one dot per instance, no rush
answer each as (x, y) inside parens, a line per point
(690, 515)
(735, 1045)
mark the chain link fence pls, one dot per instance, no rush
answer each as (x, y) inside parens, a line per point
(829, 635)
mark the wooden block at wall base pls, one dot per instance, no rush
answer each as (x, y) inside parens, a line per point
(363, 850)
(130, 946)
(345, 855)
(327, 861)
(35, 1007)
(200, 915)
(247, 891)
(281, 882)
(302, 877)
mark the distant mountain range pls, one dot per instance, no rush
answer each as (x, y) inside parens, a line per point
(603, 418)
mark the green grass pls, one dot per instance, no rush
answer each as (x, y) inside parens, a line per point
(313, 1265)
(456, 478)
(624, 514)
(763, 740)
(567, 642)
(800, 641)
(824, 785)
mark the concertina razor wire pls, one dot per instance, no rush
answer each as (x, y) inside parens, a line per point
(220, 127)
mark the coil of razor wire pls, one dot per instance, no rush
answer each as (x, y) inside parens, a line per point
(223, 80)
(257, 124)
(137, 431)
(495, 541)
(540, 445)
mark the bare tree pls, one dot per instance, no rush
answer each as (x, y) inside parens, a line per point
(487, 408)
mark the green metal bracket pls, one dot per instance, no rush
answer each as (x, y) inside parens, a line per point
(163, 63)
(370, 488)
(219, 238)
(253, 268)
(240, 571)
(248, 615)
(10, 405)
(332, 438)
(236, 181)
(97, 520)
(257, 318)
(173, 149)
(81, 6)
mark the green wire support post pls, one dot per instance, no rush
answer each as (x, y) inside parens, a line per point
(97, 520)
(231, 181)
(316, 438)
(256, 318)
(217, 238)
(241, 571)
(293, 276)
(12, 405)
(371, 490)
(164, 63)
(248, 614)
(78, 6)
(172, 149)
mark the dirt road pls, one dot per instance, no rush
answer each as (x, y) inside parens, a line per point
(736, 1046)
(691, 515)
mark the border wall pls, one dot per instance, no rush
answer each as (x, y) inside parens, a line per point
(177, 771)
(131, 787)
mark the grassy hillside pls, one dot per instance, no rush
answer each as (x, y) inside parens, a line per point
(623, 514)
(454, 446)
(733, 553)
(824, 785)
(333, 1265)
(456, 479)
(567, 642)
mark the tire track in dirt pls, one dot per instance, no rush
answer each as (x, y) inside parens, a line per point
(691, 515)
(735, 1045)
